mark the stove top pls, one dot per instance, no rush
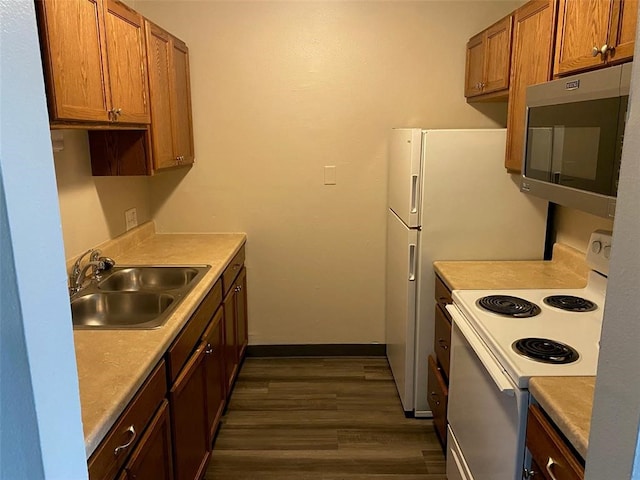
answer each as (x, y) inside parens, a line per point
(552, 328)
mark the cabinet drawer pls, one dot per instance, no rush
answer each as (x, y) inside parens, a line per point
(187, 340)
(112, 453)
(442, 339)
(232, 271)
(438, 394)
(443, 294)
(549, 449)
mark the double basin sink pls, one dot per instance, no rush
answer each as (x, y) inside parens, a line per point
(140, 297)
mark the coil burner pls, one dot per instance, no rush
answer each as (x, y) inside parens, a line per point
(509, 306)
(545, 350)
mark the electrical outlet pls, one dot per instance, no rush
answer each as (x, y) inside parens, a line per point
(131, 218)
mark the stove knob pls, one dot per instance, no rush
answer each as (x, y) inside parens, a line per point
(607, 251)
(596, 246)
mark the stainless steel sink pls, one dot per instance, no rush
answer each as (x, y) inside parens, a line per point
(148, 278)
(134, 297)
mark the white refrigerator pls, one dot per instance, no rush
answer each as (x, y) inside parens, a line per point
(449, 198)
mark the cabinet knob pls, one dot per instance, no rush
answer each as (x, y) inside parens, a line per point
(443, 344)
(209, 349)
(528, 473)
(595, 51)
(436, 397)
(238, 288)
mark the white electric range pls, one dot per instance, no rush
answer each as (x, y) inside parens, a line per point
(500, 339)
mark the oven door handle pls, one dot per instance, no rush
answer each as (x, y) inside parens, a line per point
(486, 357)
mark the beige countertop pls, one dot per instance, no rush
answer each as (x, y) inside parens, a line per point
(568, 401)
(566, 270)
(113, 364)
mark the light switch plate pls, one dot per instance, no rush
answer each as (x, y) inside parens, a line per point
(330, 175)
(131, 218)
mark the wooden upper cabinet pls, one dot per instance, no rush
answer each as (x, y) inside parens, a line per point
(72, 36)
(594, 33)
(475, 66)
(624, 18)
(533, 33)
(93, 55)
(497, 56)
(159, 54)
(488, 61)
(170, 92)
(182, 102)
(127, 64)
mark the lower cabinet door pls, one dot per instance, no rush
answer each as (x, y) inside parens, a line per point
(214, 365)
(230, 339)
(241, 313)
(152, 458)
(189, 430)
(438, 394)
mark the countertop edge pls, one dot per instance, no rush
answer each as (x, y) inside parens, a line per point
(568, 402)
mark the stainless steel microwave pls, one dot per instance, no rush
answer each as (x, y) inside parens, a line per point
(573, 145)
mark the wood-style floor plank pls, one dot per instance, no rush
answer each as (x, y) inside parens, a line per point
(321, 419)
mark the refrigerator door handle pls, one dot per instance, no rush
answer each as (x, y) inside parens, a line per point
(412, 263)
(414, 193)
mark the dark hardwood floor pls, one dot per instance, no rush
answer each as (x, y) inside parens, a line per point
(322, 419)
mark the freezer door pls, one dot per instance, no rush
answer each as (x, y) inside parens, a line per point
(405, 147)
(402, 244)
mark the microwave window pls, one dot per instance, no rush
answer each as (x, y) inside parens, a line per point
(575, 144)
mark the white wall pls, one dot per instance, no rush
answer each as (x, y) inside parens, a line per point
(574, 227)
(41, 432)
(92, 208)
(616, 408)
(281, 89)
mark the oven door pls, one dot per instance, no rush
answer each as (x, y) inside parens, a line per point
(486, 411)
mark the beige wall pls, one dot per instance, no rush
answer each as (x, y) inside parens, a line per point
(281, 89)
(92, 208)
(574, 227)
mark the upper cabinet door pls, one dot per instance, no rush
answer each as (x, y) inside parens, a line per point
(594, 33)
(533, 29)
(622, 37)
(72, 33)
(475, 66)
(497, 54)
(181, 108)
(127, 64)
(488, 62)
(159, 56)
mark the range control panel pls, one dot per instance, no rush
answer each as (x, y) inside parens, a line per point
(599, 251)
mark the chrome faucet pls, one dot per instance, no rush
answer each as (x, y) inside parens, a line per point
(79, 275)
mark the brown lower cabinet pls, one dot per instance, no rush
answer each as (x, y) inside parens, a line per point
(214, 370)
(552, 459)
(188, 399)
(167, 430)
(152, 459)
(235, 322)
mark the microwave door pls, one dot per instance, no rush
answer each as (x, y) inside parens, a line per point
(541, 148)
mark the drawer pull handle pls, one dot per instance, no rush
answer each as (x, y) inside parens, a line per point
(124, 446)
(443, 344)
(209, 349)
(436, 397)
(528, 473)
(550, 464)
